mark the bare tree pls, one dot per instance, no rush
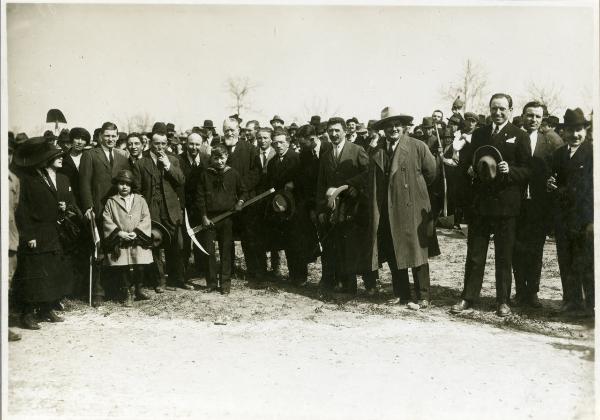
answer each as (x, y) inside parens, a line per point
(240, 88)
(317, 106)
(550, 96)
(139, 122)
(469, 86)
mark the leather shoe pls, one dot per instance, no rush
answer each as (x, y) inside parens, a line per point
(187, 286)
(52, 316)
(159, 290)
(568, 307)
(141, 295)
(423, 303)
(28, 322)
(13, 336)
(534, 301)
(97, 301)
(503, 310)
(170, 288)
(59, 306)
(394, 301)
(461, 306)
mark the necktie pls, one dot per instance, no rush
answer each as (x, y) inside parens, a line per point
(496, 129)
(110, 158)
(314, 153)
(264, 159)
(570, 152)
(390, 150)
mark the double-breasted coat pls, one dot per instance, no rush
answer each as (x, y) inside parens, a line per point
(411, 169)
(116, 218)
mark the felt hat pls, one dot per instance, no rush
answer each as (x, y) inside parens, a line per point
(283, 204)
(552, 120)
(353, 119)
(455, 119)
(159, 128)
(124, 175)
(389, 114)
(315, 120)
(170, 127)
(36, 151)
(160, 234)
(208, 124)
(277, 118)
(485, 162)
(427, 122)
(293, 126)
(574, 117)
(371, 124)
(79, 133)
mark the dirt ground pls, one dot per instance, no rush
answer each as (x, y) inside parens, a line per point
(281, 353)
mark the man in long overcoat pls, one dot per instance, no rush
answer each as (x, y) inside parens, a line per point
(97, 168)
(159, 178)
(400, 219)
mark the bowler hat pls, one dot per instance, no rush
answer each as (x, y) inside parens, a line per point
(574, 117)
(283, 204)
(427, 122)
(293, 126)
(315, 120)
(277, 118)
(79, 133)
(49, 136)
(353, 119)
(170, 127)
(485, 160)
(124, 175)
(160, 234)
(159, 128)
(55, 115)
(35, 151)
(389, 114)
(471, 116)
(21, 138)
(208, 124)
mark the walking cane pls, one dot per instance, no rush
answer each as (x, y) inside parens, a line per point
(94, 256)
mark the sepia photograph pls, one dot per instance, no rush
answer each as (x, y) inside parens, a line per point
(298, 210)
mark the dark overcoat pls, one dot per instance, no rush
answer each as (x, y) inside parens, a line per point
(412, 168)
(43, 274)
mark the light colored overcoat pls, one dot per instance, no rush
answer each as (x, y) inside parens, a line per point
(115, 216)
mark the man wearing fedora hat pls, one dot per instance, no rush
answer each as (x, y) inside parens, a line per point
(497, 201)
(351, 134)
(572, 186)
(400, 224)
(160, 180)
(277, 121)
(97, 168)
(535, 219)
(342, 250)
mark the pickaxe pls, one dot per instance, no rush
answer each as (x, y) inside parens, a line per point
(191, 231)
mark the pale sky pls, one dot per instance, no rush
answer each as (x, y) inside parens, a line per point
(111, 62)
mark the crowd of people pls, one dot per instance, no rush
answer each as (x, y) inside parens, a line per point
(118, 214)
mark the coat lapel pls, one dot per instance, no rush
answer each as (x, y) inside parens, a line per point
(399, 154)
(377, 156)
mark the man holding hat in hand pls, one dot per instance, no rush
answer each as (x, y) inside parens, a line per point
(501, 158)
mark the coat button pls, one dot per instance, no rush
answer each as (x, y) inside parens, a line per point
(405, 185)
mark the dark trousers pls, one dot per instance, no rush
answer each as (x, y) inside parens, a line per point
(575, 251)
(333, 272)
(529, 248)
(190, 248)
(400, 283)
(478, 240)
(131, 276)
(173, 264)
(222, 233)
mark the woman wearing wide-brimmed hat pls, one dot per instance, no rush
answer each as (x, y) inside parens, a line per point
(44, 274)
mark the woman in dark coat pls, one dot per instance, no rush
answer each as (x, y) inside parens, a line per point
(43, 275)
